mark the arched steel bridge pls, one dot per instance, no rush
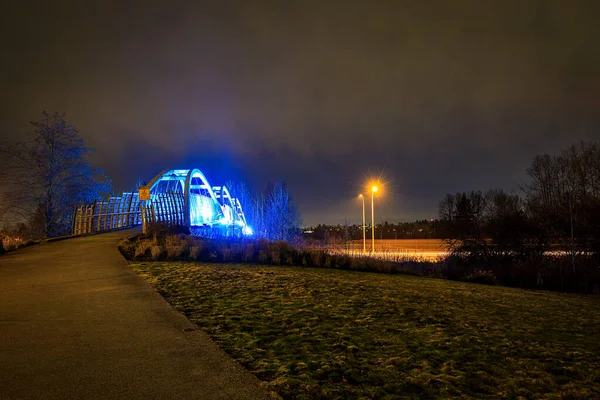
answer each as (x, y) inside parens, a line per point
(203, 205)
(181, 197)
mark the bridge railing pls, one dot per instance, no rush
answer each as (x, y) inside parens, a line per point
(128, 211)
(165, 208)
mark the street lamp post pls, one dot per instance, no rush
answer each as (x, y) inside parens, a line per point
(373, 190)
(364, 232)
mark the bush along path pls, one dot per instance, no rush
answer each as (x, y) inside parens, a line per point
(548, 272)
(190, 248)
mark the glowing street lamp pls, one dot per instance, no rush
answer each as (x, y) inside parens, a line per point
(364, 232)
(373, 190)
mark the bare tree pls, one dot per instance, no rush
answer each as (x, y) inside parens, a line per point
(240, 191)
(282, 218)
(256, 216)
(563, 196)
(505, 221)
(447, 207)
(48, 174)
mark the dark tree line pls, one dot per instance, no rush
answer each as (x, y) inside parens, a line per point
(494, 217)
(546, 236)
(559, 208)
(563, 197)
(419, 229)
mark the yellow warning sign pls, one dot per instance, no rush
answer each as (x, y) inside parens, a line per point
(144, 192)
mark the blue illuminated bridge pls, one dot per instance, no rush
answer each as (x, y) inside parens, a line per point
(203, 205)
(178, 197)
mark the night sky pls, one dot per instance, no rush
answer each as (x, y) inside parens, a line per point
(431, 96)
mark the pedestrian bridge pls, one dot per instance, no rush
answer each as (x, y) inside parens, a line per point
(176, 197)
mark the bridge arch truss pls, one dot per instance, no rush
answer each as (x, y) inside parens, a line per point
(204, 206)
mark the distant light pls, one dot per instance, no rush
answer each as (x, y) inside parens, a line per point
(248, 231)
(360, 195)
(374, 188)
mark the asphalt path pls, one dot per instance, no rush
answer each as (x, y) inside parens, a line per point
(77, 323)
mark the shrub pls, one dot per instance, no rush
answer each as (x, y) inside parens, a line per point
(126, 248)
(9, 244)
(309, 257)
(215, 254)
(142, 248)
(174, 252)
(322, 260)
(357, 263)
(293, 257)
(194, 252)
(263, 257)
(169, 240)
(261, 245)
(228, 255)
(237, 253)
(344, 262)
(484, 276)
(191, 240)
(2, 249)
(248, 255)
(275, 257)
(163, 229)
(156, 252)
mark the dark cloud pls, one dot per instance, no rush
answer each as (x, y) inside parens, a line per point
(438, 96)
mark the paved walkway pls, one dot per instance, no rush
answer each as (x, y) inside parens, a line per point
(77, 323)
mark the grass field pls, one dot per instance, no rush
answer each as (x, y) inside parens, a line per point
(331, 334)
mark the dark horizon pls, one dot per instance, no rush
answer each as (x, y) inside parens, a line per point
(433, 98)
